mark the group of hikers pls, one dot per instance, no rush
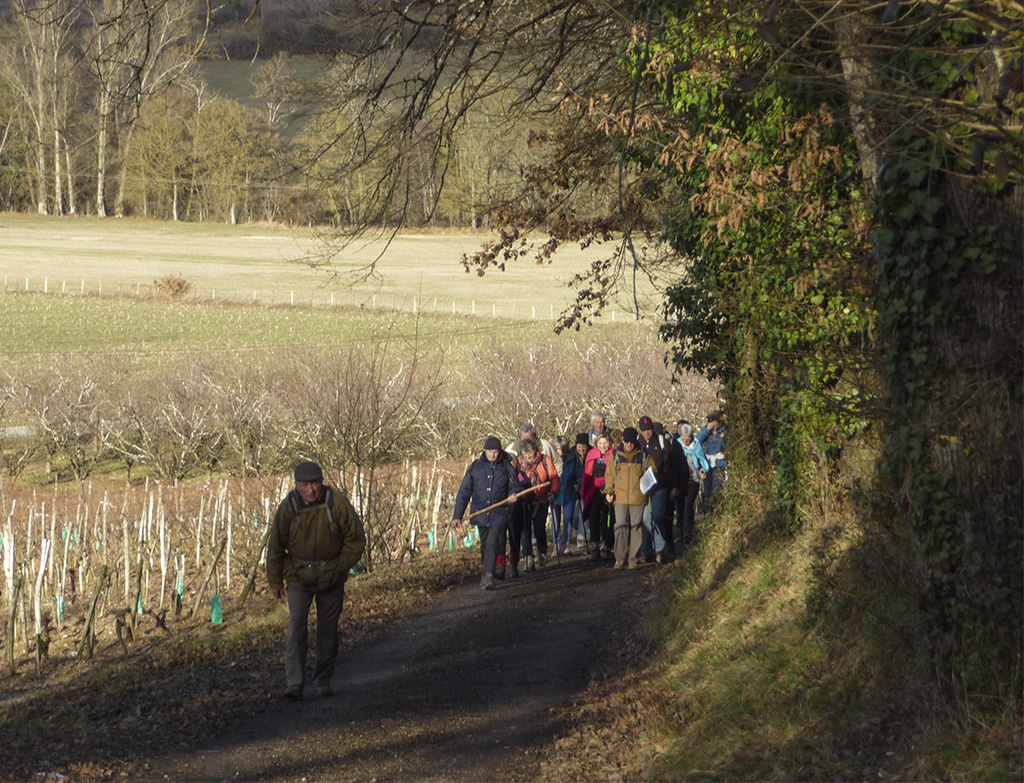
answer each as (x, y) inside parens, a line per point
(615, 491)
(621, 494)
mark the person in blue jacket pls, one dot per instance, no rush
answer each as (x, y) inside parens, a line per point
(564, 507)
(490, 479)
(693, 467)
(712, 438)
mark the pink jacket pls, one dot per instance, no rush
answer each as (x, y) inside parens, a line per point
(592, 484)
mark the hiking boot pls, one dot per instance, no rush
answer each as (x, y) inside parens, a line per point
(634, 566)
(513, 571)
(619, 565)
(659, 558)
(323, 691)
(487, 582)
(595, 555)
(499, 572)
(531, 563)
(541, 560)
(293, 692)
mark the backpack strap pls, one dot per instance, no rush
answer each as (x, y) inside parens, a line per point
(327, 499)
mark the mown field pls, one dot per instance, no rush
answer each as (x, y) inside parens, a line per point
(273, 265)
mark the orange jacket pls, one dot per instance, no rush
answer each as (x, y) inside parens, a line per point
(537, 473)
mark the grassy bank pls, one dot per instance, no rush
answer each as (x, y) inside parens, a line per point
(798, 655)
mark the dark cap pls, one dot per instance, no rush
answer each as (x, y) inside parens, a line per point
(582, 437)
(630, 434)
(645, 424)
(308, 471)
(492, 443)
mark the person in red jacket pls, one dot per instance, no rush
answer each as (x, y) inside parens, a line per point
(595, 506)
(535, 469)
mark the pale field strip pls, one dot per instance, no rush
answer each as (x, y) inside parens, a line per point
(264, 264)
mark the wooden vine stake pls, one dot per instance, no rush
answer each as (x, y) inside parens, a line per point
(89, 632)
(209, 576)
(44, 558)
(12, 623)
(251, 580)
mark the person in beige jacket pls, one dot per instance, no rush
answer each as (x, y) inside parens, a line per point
(622, 488)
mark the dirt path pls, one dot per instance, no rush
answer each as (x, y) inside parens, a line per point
(465, 691)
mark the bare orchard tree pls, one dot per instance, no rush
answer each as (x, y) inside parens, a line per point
(69, 406)
(250, 414)
(18, 444)
(170, 426)
(362, 409)
(558, 383)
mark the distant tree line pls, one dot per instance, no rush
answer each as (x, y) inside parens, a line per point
(104, 111)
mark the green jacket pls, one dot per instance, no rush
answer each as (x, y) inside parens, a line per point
(310, 548)
(622, 476)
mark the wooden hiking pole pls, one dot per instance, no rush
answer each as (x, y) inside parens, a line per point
(251, 580)
(506, 500)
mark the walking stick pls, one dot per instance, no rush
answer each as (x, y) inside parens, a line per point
(506, 500)
(554, 533)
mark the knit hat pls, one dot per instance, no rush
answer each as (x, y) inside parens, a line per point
(646, 423)
(582, 437)
(308, 471)
(630, 434)
(492, 443)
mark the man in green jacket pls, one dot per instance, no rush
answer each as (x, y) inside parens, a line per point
(315, 539)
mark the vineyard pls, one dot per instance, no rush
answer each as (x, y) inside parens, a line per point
(89, 568)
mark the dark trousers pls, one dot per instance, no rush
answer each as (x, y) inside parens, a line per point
(686, 507)
(535, 526)
(328, 612)
(661, 516)
(564, 515)
(597, 515)
(492, 544)
(514, 532)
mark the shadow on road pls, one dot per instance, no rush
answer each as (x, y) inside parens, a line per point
(465, 691)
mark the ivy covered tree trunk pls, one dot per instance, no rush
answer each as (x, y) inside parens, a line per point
(948, 250)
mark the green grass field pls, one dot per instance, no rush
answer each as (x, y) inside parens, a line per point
(33, 325)
(269, 265)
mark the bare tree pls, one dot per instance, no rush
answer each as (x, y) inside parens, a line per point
(135, 51)
(361, 411)
(275, 82)
(36, 65)
(170, 426)
(251, 413)
(18, 444)
(69, 406)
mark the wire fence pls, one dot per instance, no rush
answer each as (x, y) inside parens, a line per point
(236, 295)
